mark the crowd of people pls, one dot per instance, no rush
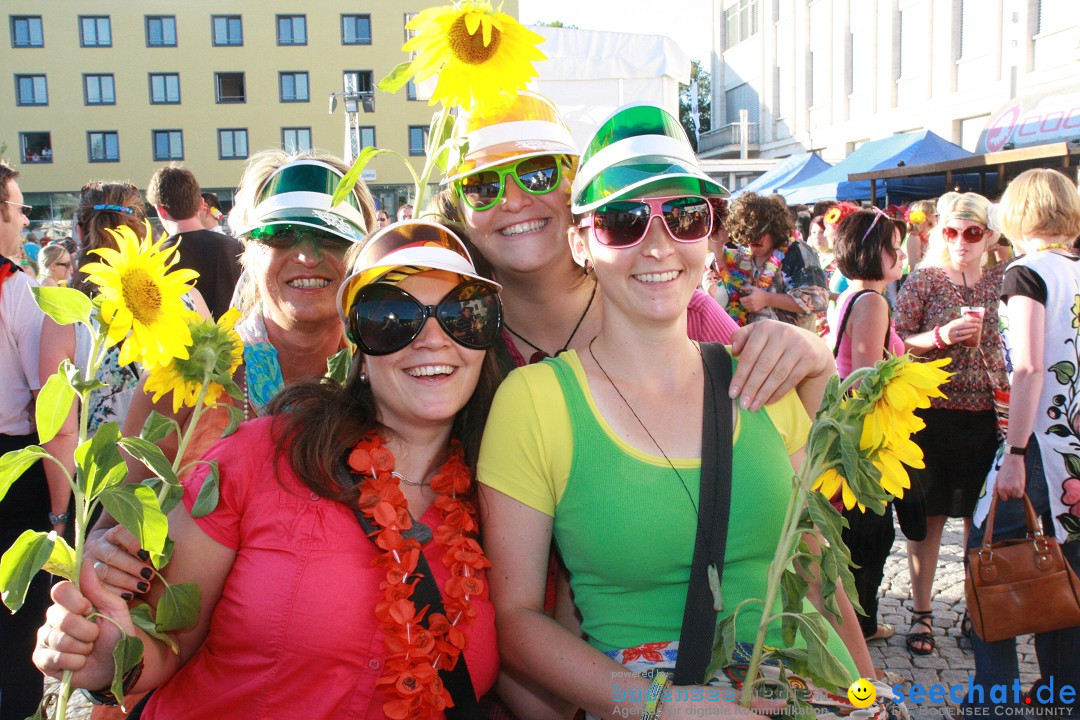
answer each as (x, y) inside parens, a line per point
(496, 513)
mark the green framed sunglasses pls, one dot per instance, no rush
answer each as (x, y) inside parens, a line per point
(537, 175)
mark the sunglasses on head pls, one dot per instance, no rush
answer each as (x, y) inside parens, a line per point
(535, 175)
(624, 223)
(970, 234)
(284, 237)
(384, 318)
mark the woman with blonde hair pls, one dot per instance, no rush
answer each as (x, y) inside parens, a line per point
(54, 263)
(948, 308)
(923, 217)
(1040, 211)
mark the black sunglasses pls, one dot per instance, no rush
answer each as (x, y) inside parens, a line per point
(384, 318)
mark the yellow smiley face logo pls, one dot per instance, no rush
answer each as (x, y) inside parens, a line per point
(862, 693)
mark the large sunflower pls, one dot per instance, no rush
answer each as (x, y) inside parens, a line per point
(140, 299)
(483, 56)
(215, 348)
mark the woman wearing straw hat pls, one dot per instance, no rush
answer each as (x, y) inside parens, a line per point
(511, 186)
(599, 449)
(343, 514)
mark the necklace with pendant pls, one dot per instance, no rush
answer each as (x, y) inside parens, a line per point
(540, 354)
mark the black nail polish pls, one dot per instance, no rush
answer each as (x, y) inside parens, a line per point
(143, 587)
(143, 555)
(128, 597)
(146, 573)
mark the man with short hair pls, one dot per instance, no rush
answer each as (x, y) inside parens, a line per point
(405, 212)
(174, 193)
(27, 505)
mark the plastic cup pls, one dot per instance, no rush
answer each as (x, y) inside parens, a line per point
(977, 312)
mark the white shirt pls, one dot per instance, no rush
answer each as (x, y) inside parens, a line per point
(20, 341)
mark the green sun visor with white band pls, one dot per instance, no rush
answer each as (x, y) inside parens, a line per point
(300, 193)
(637, 147)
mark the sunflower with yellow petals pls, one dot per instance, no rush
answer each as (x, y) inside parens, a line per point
(482, 56)
(216, 351)
(141, 299)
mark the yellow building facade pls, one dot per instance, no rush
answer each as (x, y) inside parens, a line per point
(118, 88)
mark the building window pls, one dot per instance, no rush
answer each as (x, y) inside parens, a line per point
(230, 87)
(99, 90)
(36, 147)
(741, 97)
(31, 90)
(367, 136)
(407, 19)
(293, 86)
(359, 81)
(164, 89)
(410, 90)
(296, 139)
(104, 146)
(228, 30)
(94, 31)
(232, 144)
(355, 29)
(418, 139)
(160, 31)
(26, 31)
(976, 27)
(291, 30)
(741, 21)
(168, 144)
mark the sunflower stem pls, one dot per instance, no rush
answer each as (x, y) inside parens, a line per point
(189, 431)
(430, 160)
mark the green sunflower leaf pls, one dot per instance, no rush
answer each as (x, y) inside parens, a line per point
(99, 462)
(15, 462)
(53, 406)
(61, 560)
(207, 499)
(126, 655)
(20, 564)
(396, 78)
(151, 456)
(337, 366)
(178, 607)
(157, 426)
(136, 508)
(141, 616)
(64, 305)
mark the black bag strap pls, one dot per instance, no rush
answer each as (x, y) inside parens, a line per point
(426, 592)
(714, 503)
(843, 322)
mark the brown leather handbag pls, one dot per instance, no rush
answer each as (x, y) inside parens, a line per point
(1020, 586)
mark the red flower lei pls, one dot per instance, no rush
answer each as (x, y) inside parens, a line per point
(415, 653)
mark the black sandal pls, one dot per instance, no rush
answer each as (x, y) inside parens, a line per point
(921, 643)
(965, 625)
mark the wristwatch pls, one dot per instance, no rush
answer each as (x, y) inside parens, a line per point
(1014, 450)
(60, 519)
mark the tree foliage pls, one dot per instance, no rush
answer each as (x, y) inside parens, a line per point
(704, 93)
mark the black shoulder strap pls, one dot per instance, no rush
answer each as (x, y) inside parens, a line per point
(843, 322)
(714, 502)
(426, 592)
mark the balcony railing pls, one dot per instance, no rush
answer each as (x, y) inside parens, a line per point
(727, 136)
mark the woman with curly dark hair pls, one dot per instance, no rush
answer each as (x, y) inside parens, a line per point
(769, 274)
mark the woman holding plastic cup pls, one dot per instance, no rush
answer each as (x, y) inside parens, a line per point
(949, 308)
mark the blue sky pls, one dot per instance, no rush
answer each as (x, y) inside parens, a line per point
(685, 21)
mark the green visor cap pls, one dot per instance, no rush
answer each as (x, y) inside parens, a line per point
(638, 147)
(301, 193)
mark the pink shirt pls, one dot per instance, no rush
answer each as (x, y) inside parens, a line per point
(706, 321)
(294, 633)
(843, 358)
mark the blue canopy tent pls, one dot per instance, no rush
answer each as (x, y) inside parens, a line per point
(913, 148)
(790, 170)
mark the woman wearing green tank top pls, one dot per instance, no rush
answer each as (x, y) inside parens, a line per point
(600, 450)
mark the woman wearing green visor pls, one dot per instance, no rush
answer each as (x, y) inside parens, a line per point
(600, 450)
(511, 188)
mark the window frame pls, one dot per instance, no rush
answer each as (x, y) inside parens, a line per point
(153, 144)
(355, 17)
(217, 87)
(369, 74)
(97, 30)
(295, 129)
(22, 147)
(293, 74)
(150, 82)
(19, 102)
(228, 18)
(292, 17)
(15, 19)
(86, 89)
(161, 18)
(247, 144)
(425, 129)
(90, 145)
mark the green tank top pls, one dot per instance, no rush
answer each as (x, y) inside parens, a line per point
(625, 529)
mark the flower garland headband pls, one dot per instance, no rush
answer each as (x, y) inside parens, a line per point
(414, 653)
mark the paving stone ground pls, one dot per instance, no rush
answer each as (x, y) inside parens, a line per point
(951, 662)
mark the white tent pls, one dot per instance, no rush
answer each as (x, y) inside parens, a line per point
(590, 73)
